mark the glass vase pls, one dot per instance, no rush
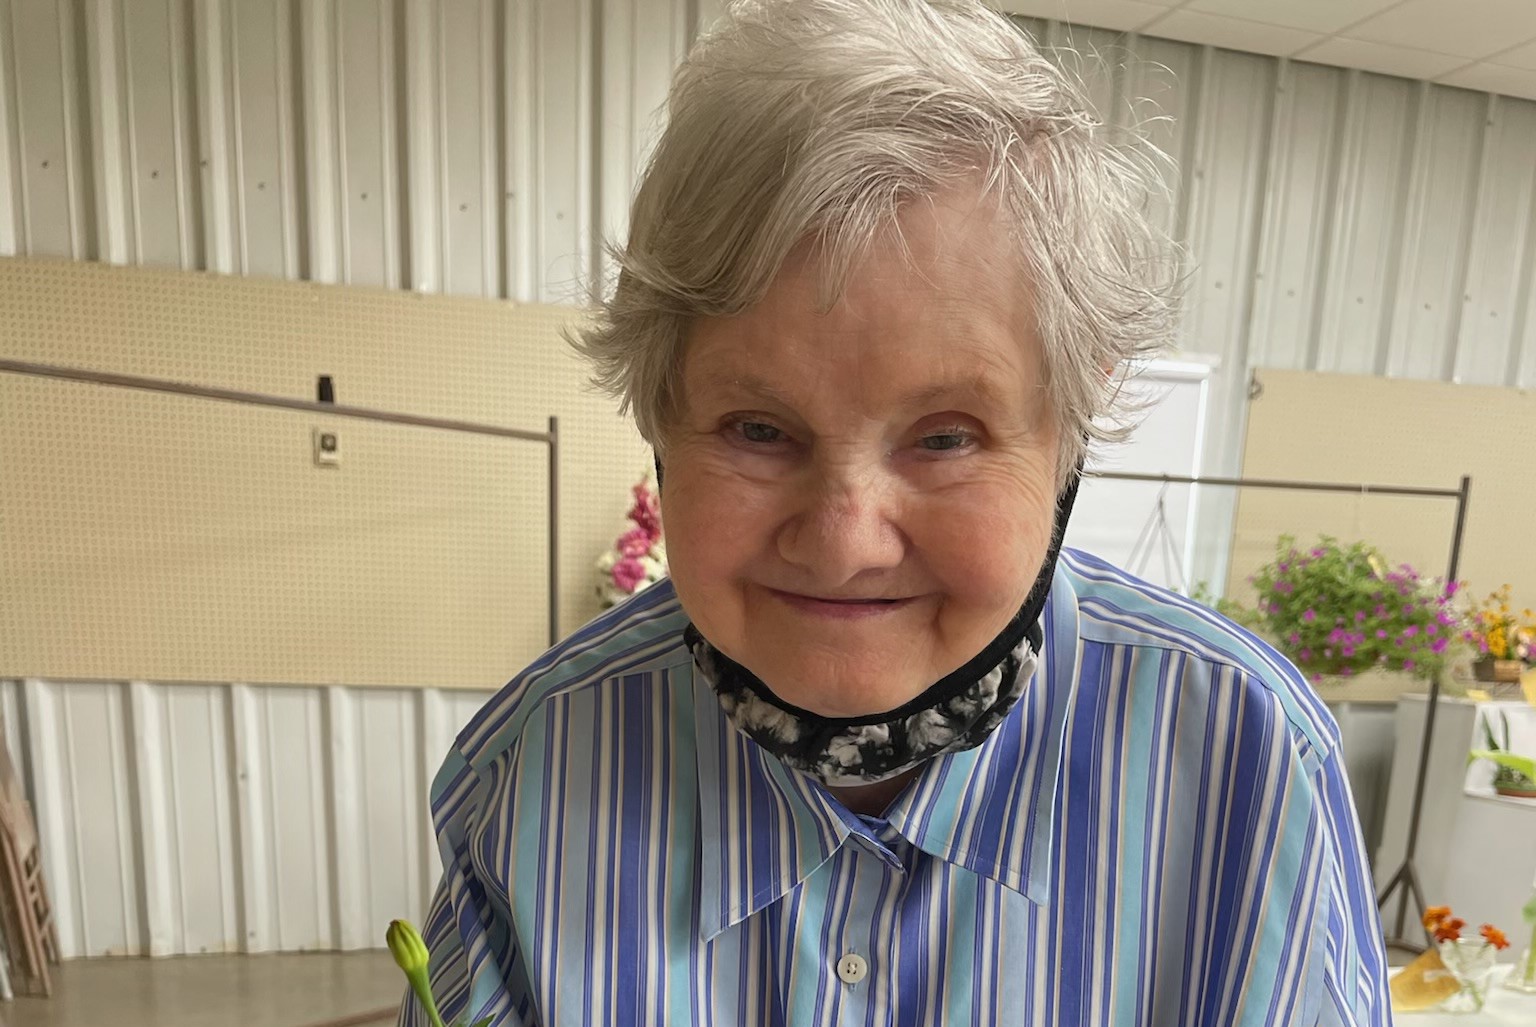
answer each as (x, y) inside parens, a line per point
(1522, 977)
(1472, 964)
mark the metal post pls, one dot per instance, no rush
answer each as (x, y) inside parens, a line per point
(1407, 874)
(554, 530)
(258, 399)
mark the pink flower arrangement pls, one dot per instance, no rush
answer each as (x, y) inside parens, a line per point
(638, 557)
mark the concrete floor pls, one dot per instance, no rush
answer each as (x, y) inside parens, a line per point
(200, 991)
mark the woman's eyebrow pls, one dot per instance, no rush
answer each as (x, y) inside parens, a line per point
(745, 382)
(977, 387)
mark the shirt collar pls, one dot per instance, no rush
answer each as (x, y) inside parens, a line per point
(765, 828)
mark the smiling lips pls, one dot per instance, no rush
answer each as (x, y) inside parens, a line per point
(842, 609)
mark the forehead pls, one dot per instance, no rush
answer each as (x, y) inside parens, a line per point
(938, 297)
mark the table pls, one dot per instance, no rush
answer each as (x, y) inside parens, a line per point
(1504, 1007)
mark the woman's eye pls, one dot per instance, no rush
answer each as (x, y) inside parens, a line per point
(758, 432)
(944, 441)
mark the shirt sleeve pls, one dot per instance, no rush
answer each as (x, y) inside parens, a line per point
(1353, 974)
(475, 966)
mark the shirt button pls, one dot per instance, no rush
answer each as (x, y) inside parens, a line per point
(852, 968)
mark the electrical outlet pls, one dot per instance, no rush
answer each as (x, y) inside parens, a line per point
(327, 448)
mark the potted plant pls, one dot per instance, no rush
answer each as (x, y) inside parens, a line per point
(1337, 609)
(1504, 642)
(1515, 775)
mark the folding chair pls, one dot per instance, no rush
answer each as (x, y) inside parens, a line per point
(26, 914)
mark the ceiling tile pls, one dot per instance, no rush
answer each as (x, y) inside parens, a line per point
(1466, 28)
(1519, 57)
(1388, 60)
(1494, 78)
(1325, 16)
(1232, 33)
(1120, 15)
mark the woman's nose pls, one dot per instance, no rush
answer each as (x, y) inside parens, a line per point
(842, 524)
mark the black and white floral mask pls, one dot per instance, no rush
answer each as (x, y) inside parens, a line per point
(956, 713)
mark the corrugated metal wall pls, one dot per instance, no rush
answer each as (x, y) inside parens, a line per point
(1337, 220)
(231, 818)
(465, 146)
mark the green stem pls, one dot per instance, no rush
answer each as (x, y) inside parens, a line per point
(423, 992)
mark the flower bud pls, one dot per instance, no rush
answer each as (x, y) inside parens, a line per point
(406, 946)
(411, 956)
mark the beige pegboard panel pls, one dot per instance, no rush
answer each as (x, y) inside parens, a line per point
(1390, 431)
(172, 538)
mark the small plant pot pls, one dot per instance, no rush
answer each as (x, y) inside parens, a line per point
(1502, 671)
(1516, 791)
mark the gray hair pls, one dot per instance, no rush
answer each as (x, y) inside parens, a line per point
(817, 120)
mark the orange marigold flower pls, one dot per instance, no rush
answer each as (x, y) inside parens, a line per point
(1495, 937)
(1433, 915)
(1450, 930)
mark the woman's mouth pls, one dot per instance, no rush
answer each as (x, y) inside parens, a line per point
(842, 608)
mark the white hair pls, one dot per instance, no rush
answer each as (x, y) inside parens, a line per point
(817, 120)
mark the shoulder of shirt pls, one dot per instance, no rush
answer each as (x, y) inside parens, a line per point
(1118, 609)
(641, 635)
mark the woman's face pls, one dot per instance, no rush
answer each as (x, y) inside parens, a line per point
(857, 501)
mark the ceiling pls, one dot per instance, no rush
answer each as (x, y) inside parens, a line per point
(1488, 45)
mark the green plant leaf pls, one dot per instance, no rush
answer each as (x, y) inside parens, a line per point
(1523, 765)
(1529, 912)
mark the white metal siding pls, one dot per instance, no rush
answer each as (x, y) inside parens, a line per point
(1337, 220)
(231, 818)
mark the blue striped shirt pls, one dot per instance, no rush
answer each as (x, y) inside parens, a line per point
(1160, 834)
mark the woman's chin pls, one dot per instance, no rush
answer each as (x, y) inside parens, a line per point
(841, 698)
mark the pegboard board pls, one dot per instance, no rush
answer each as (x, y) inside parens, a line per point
(1310, 426)
(167, 538)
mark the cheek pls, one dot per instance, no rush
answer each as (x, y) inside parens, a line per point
(715, 527)
(988, 546)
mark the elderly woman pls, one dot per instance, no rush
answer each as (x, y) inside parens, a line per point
(879, 752)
